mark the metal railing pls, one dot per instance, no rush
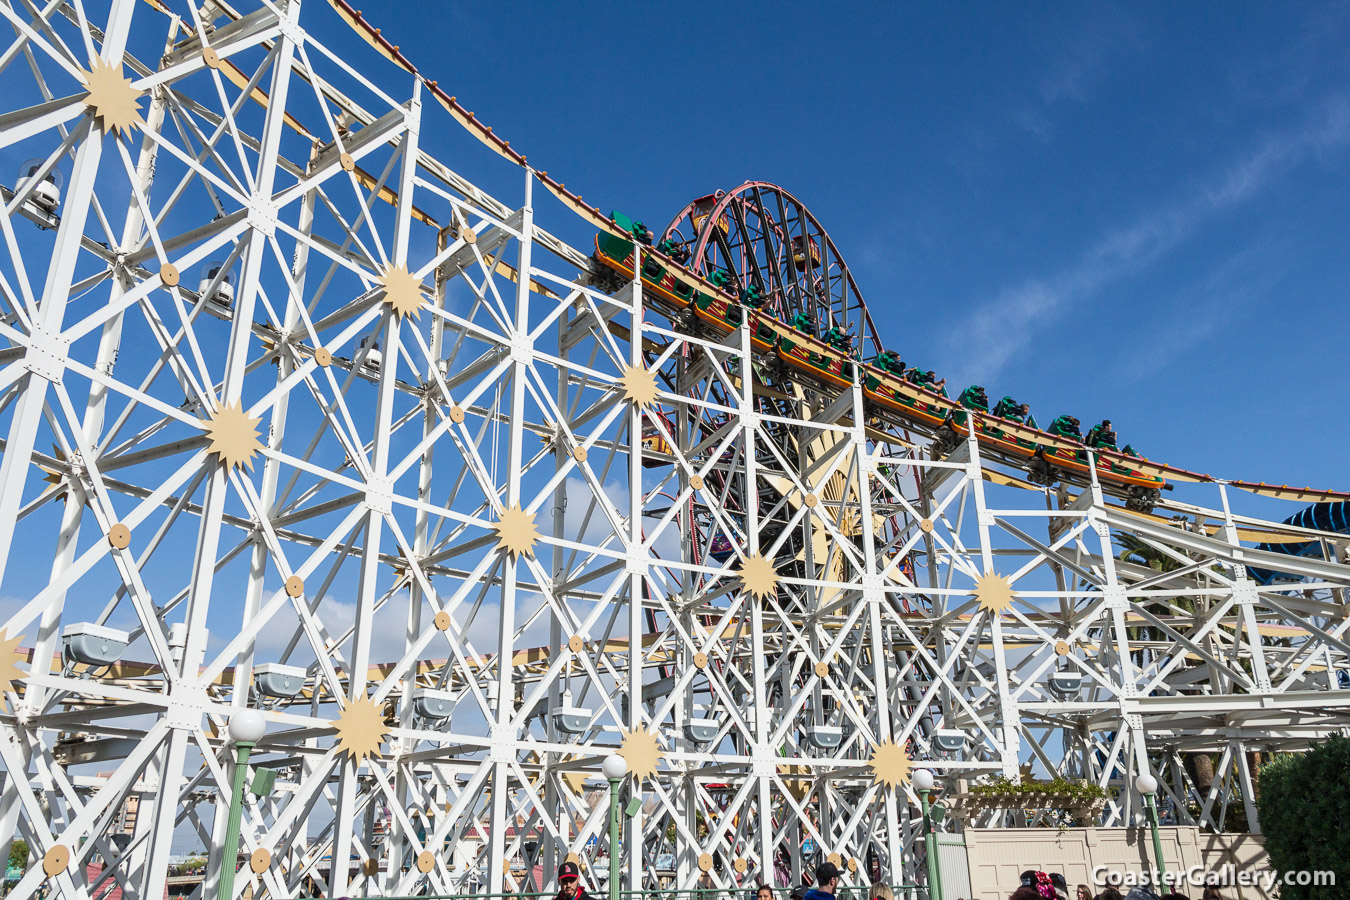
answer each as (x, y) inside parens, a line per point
(744, 892)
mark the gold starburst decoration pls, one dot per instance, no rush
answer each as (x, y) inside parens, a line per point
(402, 291)
(516, 531)
(234, 435)
(111, 98)
(994, 592)
(797, 787)
(639, 386)
(361, 729)
(890, 764)
(9, 668)
(575, 779)
(758, 576)
(641, 751)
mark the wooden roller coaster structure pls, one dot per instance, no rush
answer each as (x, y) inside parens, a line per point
(464, 498)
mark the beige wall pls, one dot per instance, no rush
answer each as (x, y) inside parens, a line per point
(1245, 852)
(997, 856)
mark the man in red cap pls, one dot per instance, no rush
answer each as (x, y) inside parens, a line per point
(569, 883)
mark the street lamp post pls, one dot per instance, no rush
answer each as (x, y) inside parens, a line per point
(246, 728)
(1147, 785)
(923, 783)
(615, 767)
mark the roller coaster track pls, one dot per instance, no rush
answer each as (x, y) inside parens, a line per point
(470, 122)
(574, 201)
(310, 422)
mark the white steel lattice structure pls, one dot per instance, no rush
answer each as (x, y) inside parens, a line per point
(311, 423)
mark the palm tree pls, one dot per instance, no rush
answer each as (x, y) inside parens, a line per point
(1142, 553)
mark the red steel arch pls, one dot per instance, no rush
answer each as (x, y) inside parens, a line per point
(765, 237)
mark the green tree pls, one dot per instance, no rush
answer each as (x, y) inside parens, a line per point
(18, 855)
(1305, 815)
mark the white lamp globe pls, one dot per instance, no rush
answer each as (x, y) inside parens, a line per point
(247, 726)
(923, 780)
(1146, 784)
(614, 766)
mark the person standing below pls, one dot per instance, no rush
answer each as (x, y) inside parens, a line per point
(881, 891)
(569, 883)
(827, 882)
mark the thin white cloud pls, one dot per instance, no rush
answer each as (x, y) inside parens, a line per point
(1205, 308)
(984, 342)
(1084, 61)
(1077, 68)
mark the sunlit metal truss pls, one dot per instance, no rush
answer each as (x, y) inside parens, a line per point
(469, 508)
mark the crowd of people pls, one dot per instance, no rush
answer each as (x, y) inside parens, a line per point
(1038, 885)
(1034, 885)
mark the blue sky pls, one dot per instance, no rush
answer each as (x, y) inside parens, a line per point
(1128, 210)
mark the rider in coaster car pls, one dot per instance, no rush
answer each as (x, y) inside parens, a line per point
(643, 234)
(802, 321)
(974, 397)
(674, 249)
(753, 296)
(890, 361)
(1066, 426)
(1102, 435)
(1010, 409)
(927, 380)
(1026, 417)
(839, 339)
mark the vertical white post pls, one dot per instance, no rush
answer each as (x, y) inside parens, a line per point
(762, 722)
(637, 577)
(368, 589)
(1118, 604)
(503, 742)
(1008, 711)
(208, 538)
(874, 595)
(66, 252)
